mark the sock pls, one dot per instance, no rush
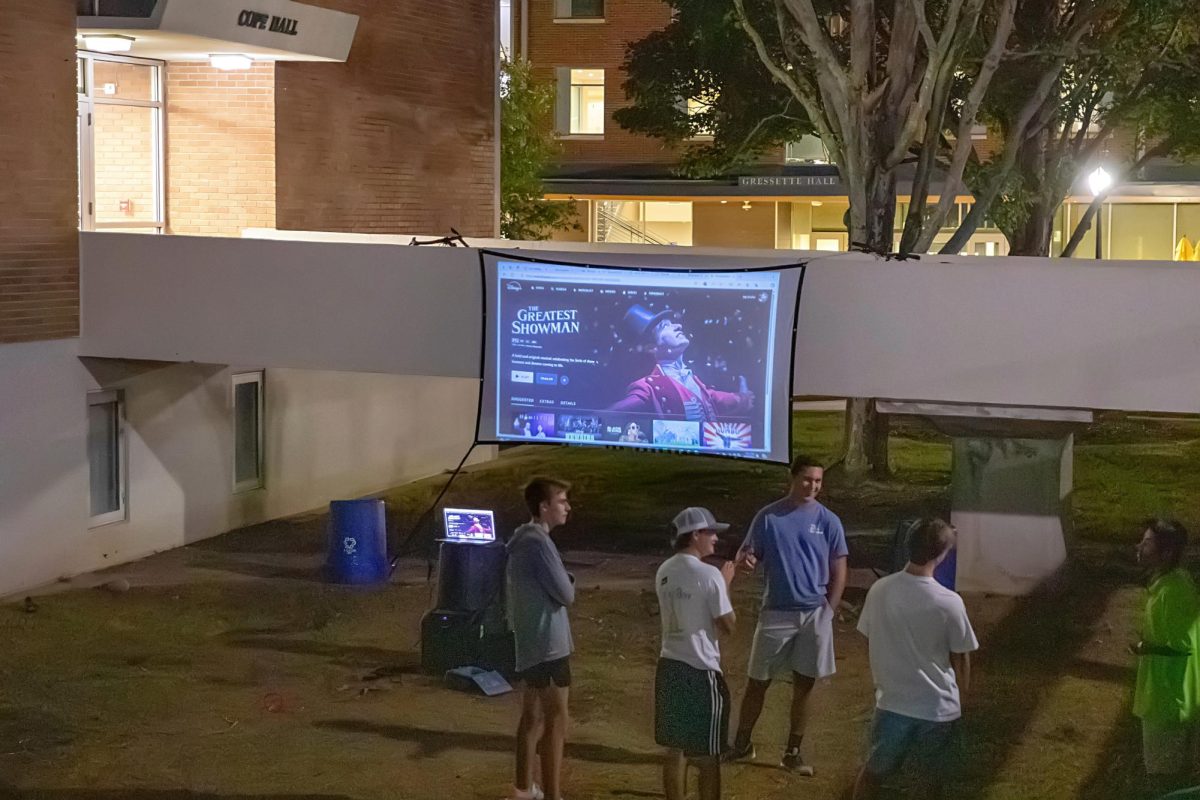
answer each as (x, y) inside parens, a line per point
(794, 740)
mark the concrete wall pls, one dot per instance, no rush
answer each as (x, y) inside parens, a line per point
(43, 469)
(1022, 331)
(327, 435)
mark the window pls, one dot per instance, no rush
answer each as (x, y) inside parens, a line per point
(120, 124)
(106, 458)
(580, 103)
(247, 431)
(579, 9)
(809, 150)
(701, 105)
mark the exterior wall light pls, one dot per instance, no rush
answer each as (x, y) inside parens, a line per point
(230, 61)
(107, 42)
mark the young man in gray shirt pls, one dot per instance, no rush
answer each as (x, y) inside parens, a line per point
(539, 592)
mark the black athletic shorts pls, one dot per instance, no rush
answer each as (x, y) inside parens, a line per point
(691, 709)
(539, 676)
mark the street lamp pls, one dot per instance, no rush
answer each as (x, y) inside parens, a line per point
(1099, 182)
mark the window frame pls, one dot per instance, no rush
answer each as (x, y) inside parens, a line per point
(121, 513)
(257, 377)
(564, 11)
(565, 99)
(87, 102)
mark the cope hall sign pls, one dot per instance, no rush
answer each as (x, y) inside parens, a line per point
(268, 22)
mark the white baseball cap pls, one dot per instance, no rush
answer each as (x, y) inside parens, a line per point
(695, 518)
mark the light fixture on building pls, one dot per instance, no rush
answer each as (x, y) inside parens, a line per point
(230, 61)
(746, 206)
(816, 203)
(108, 42)
(723, 202)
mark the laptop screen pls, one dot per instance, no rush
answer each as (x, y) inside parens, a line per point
(469, 525)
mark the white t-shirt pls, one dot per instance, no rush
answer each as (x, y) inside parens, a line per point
(914, 624)
(691, 594)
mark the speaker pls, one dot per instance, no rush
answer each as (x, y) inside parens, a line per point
(452, 639)
(470, 576)
(449, 639)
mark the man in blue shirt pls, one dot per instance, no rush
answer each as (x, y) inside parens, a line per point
(802, 547)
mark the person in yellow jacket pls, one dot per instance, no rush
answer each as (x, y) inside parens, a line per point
(1167, 693)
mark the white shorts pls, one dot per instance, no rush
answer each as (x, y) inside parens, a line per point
(792, 641)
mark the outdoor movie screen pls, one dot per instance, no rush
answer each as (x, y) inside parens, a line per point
(647, 359)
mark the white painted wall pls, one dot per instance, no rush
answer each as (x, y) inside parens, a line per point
(328, 435)
(43, 468)
(1021, 331)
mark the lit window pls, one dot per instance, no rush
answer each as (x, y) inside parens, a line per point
(247, 431)
(579, 9)
(106, 458)
(809, 150)
(701, 105)
(587, 101)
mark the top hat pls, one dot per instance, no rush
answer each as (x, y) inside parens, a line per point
(642, 320)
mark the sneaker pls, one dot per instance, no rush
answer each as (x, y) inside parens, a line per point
(534, 792)
(743, 753)
(792, 761)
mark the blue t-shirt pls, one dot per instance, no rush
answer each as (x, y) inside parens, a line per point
(795, 543)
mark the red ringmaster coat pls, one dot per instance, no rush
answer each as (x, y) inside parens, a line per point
(665, 396)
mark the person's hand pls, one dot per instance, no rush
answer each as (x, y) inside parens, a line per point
(746, 560)
(728, 570)
(745, 393)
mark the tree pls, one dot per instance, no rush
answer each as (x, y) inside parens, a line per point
(527, 148)
(696, 84)
(1134, 72)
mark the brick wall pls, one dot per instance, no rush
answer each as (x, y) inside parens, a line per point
(221, 148)
(39, 241)
(400, 138)
(601, 45)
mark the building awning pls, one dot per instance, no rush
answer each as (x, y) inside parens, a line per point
(193, 30)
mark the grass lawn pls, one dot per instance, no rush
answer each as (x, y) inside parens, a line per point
(230, 671)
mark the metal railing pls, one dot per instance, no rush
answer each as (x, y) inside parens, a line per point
(608, 224)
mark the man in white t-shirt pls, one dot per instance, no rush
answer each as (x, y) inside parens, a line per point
(691, 700)
(920, 639)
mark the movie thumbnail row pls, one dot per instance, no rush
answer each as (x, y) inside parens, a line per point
(623, 429)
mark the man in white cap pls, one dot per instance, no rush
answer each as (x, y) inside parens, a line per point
(691, 700)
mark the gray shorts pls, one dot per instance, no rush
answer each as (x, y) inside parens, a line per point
(792, 641)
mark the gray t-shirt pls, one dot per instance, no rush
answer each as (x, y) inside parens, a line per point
(539, 593)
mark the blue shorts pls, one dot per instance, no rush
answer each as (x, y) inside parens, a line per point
(935, 746)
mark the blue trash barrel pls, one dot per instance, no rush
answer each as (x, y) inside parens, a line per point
(357, 542)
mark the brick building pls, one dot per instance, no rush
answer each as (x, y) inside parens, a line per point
(625, 190)
(202, 118)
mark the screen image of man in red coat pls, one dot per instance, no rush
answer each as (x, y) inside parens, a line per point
(672, 390)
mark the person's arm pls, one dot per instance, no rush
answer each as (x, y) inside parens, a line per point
(553, 576)
(638, 397)
(748, 553)
(961, 664)
(837, 582)
(838, 555)
(721, 608)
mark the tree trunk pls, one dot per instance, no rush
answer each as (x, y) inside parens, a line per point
(865, 436)
(1033, 238)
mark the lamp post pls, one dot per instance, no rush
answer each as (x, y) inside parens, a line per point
(1099, 182)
